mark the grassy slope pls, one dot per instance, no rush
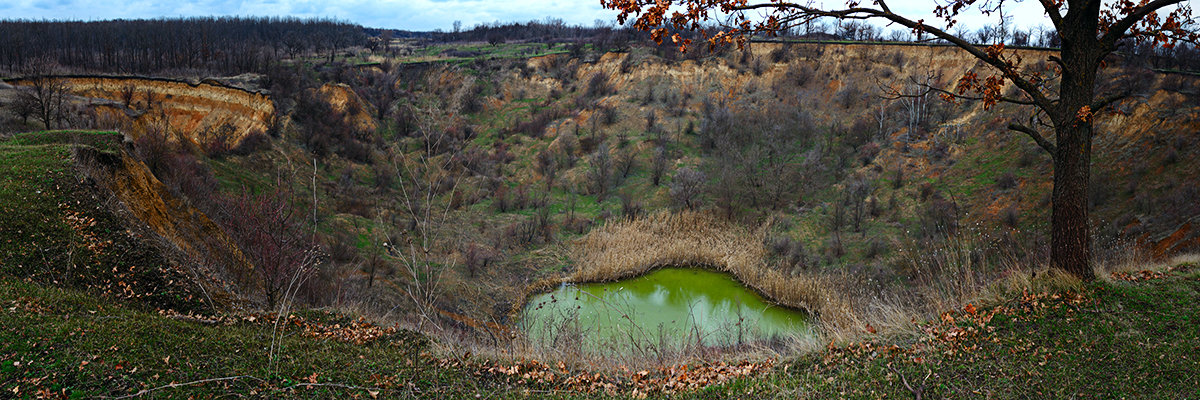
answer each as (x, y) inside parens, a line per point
(55, 226)
(1122, 339)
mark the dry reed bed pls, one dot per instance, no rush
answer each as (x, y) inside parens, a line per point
(628, 248)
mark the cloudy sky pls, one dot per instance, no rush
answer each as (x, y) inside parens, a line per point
(401, 14)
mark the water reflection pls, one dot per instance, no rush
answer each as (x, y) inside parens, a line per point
(669, 305)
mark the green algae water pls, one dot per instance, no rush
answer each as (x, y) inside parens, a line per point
(669, 306)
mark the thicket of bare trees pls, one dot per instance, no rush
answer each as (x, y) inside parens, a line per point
(224, 45)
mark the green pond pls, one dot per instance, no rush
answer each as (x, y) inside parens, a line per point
(666, 306)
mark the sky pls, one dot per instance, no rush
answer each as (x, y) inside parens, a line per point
(417, 15)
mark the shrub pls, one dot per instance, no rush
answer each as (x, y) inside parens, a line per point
(848, 96)
(626, 162)
(758, 66)
(477, 257)
(790, 253)
(782, 54)
(658, 165)
(1011, 217)
(876, 247)
(868, 152)
(926, 191)
(1006, 181)
(252, 143)
(898, 177)
(627, 64)
(1029, 156)
(598, 85)
(608, 115)
(600, 173)
(500, 199)
(630, 207)
(537, 123)
(269, 232)
(1171, 157)
(686, 187)
(799, 74)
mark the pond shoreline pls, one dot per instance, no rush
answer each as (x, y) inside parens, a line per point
(632, 248)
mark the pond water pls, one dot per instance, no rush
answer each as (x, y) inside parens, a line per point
(665, 306)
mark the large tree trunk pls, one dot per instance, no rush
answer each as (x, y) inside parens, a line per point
(1070, 242)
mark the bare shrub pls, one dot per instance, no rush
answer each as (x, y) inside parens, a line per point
(600, 171)
(269, 232)
(477, 258)
(758, 66)
(631, 208)
(608, 115)
(686, 187)
(848, 96)
(1006, 181)
(536, 125)
(626, 162)
(598, 85)
(658, 165)
(782, 54)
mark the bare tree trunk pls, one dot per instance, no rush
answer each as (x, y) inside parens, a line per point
(1070, 242)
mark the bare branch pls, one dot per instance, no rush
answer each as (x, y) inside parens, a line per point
(1037, 137)
(176, 385)
(1009, 71)
(1106, 101)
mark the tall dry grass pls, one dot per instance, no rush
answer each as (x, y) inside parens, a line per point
(627, 248)
(930, 277)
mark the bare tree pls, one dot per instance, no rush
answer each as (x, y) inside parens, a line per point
(24, 107)
(658, 165)
(269, 231)
(686, 187)
(600, 173)
(44, 92)
(127, 92)
(857, 193)
(420, 176)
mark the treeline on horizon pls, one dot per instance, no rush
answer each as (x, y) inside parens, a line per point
(223, 45)
(235, 45)
(607, 36)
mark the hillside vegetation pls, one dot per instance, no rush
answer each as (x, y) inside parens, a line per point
(369, 222)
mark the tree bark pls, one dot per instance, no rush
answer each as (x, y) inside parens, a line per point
(1070, 241)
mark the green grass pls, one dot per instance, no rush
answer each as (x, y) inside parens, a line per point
(69, 342)
(482, 52)
(1110, 340)
(1118, 340)
(55, 226)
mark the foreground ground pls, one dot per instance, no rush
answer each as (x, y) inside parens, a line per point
(1137, 336)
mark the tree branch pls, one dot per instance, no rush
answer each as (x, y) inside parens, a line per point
(1037, 137)
(1106, 101)
(1039, 98)
(1055, 15)
(1117, 30)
